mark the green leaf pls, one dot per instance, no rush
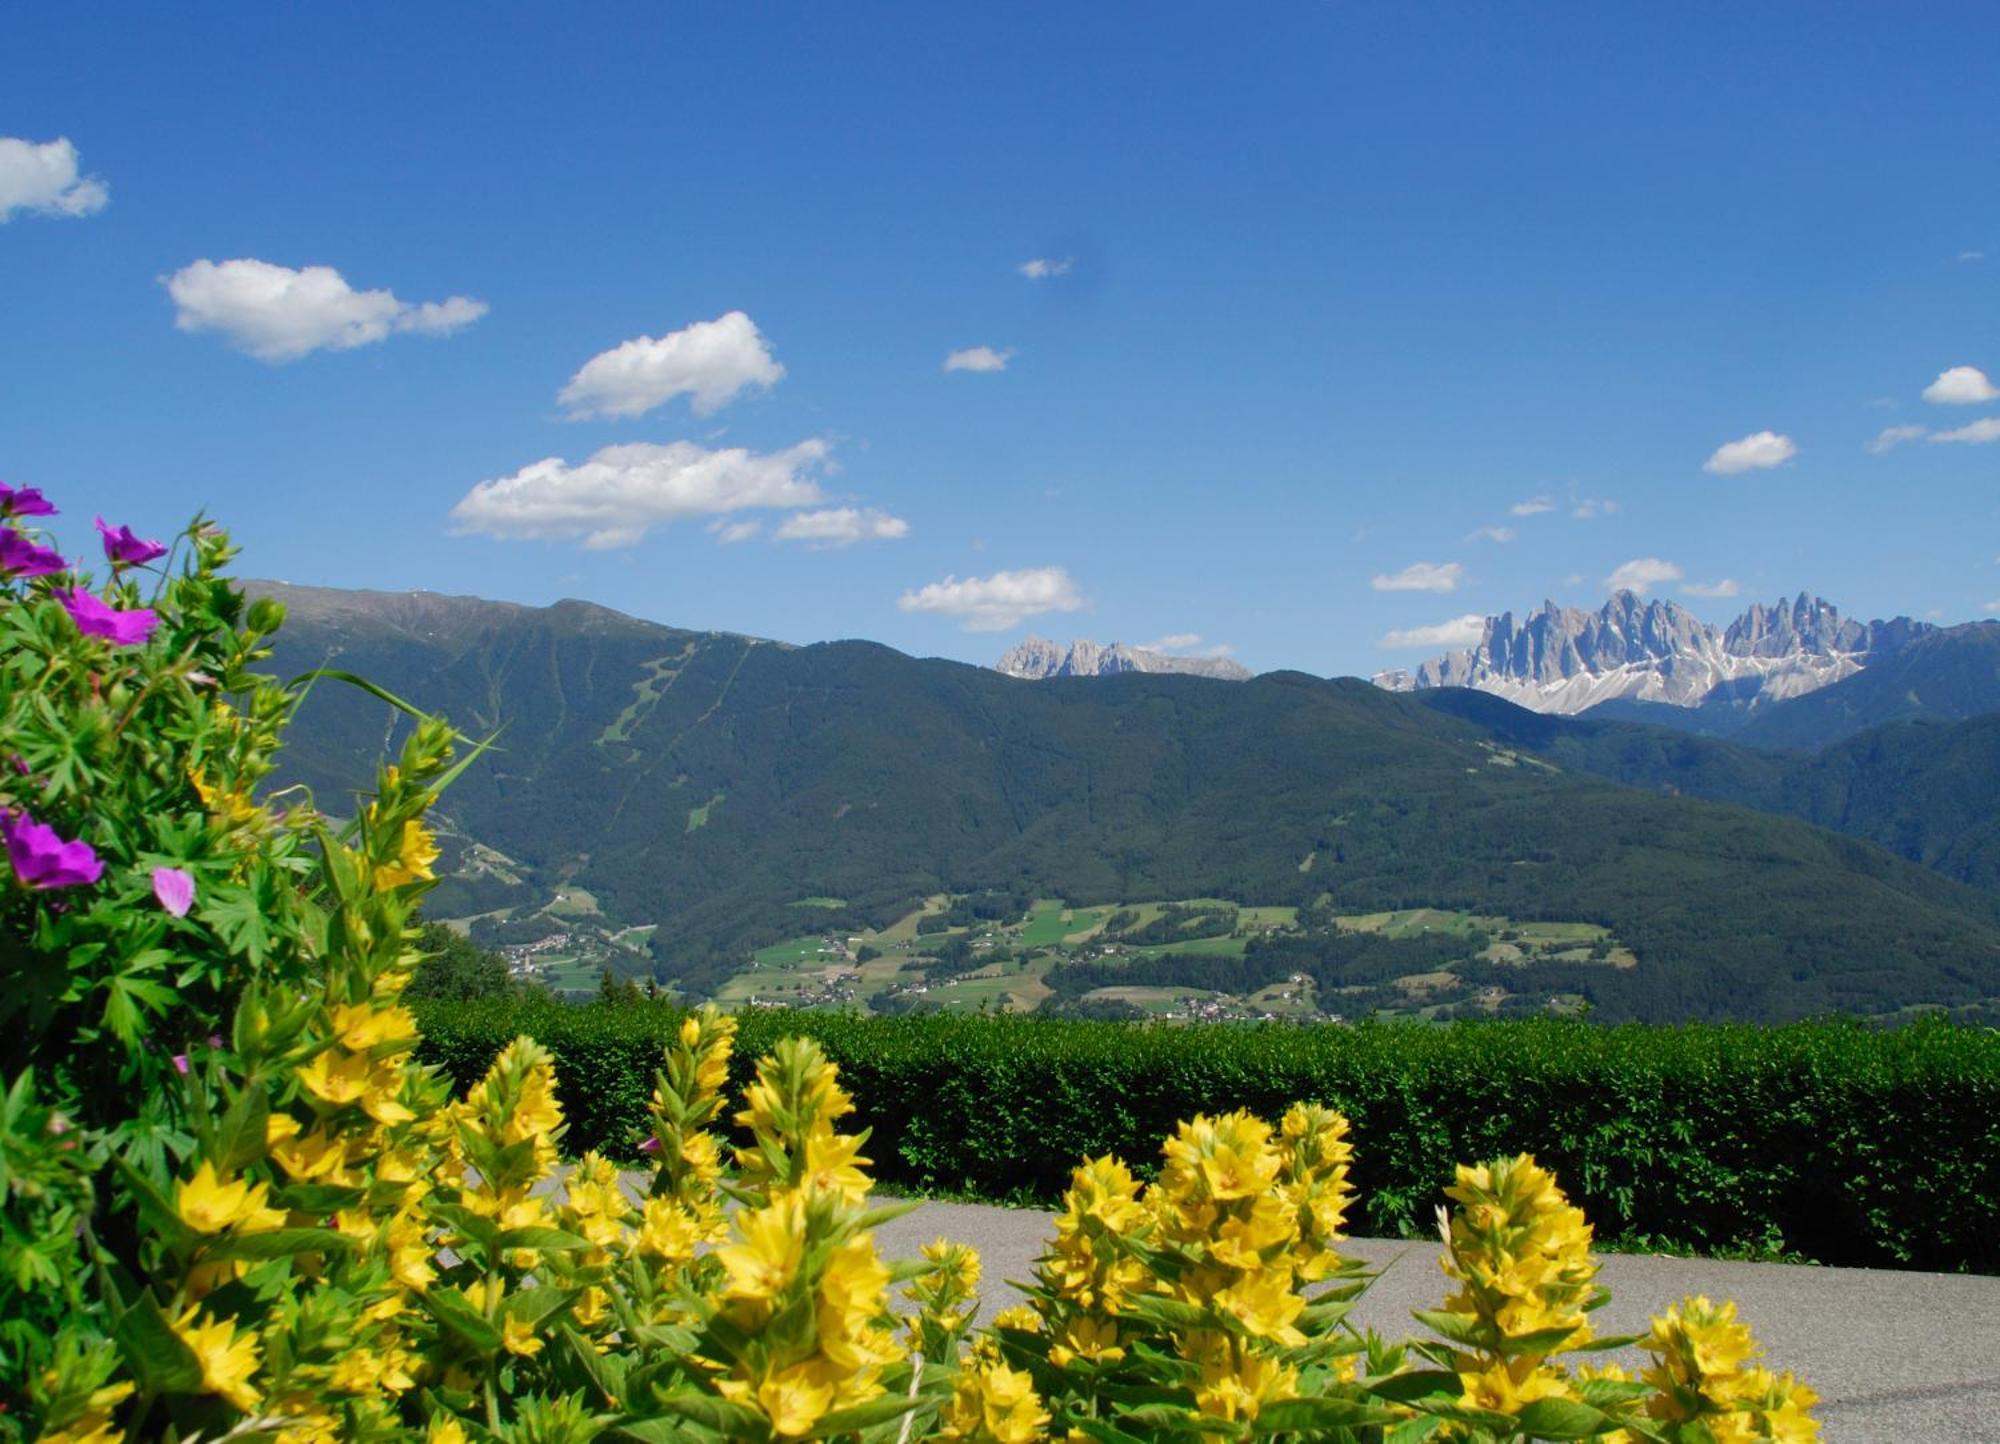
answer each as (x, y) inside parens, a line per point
(316, 1198)
(159, 1358)
(1417, 1384)
(551, 1239)
(879, 1410)
(1564, 1419)
(279, 1243)
(1301, 1415)
(732, 1421)
(1472, 1333)
(452, 1309)
(239, 1138)
(158, 1209)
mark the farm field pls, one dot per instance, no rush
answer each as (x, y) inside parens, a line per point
(1187, 959)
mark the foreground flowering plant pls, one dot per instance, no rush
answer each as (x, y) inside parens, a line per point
(235, 1207)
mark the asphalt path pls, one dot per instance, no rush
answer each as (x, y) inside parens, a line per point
(1895, 1357)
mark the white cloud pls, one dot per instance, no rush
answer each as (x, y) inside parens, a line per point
(1641, 574)
(278, 314)
(1174, 642)
(841, 526)
(1891, 437)
(1961, 386)
(995, 603)
(620, 493)
(1533, 506)
(1042, 268)
(1981, 431)
(978, 358)
(1755, 452)
(1422, 577)
(710, 362)
(1458, 632)
(1492, 534)
(1972, 255)
(1725, 588)
(1993, 606)
(729, 533)
(1591, 507)
(43, 180)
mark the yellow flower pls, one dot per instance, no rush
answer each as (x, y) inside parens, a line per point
(1238, 1384)
(764, 1264)
(1095, 1340)
(667, 1231)
(362, 1026)
(1020, 1316)
(231, 805)
(317, 1156)
(834, 1165)
(518, 1337)
(794, 1400)
(336, 1077)
(445, 1430)
(416, 851)
(993, 1402)
(208, 1205)
(1265, 1304)
(227, 1361)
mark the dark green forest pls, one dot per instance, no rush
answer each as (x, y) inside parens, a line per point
(707, 782)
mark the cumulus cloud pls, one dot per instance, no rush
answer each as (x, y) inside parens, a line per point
(1755, 452)
(45, 180)
(1891, 437)
(710, 362)
(1533, 506)
(995, 603)
(1961, 386)
(1641, 574)
(1725, 588)
(1458, 632)
(1043, 268)
(620, 493)
(729, 533)
(1422, 577)
(1979, 432)
(279, 314)
(1972, 255)
(1492, 534)
(978, 358)
(1592, 506)
(841, 526)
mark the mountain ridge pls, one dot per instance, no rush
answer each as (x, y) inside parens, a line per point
(1567, 660)
(1037, 659)
(701, 783)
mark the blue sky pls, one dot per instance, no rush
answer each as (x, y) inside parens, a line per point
(1329, 293)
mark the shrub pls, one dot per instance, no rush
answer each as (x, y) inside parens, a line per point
(1846, 1144)
(286, 1230)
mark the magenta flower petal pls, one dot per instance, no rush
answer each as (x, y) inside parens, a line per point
(23, 501)
(95, 619)
(651, 1145)
(180, 1062)
(124, 549)
(174, 889)
(41, 859)
(20, 557)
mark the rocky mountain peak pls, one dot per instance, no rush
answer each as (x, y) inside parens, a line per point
(1565, 659)
(1037, 659)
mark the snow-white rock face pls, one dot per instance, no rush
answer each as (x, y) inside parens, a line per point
(1036, 659)
(1563, 659)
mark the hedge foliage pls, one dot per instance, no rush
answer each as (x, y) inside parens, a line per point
(1845, 1144)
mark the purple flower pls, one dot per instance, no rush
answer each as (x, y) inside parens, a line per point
(174, 889)
(94, 619)
(651, 1145)
(23, 501)
(41, 859)
(20, 557)
(124, 549)
(180, 1062)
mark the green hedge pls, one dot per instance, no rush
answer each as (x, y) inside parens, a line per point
(1841, 1143)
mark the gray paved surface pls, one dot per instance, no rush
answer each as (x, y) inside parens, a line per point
(1903, 1357)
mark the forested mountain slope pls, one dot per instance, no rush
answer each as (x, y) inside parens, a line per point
(707, 782)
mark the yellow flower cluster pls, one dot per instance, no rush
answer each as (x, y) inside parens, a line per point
(1702, 1371)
